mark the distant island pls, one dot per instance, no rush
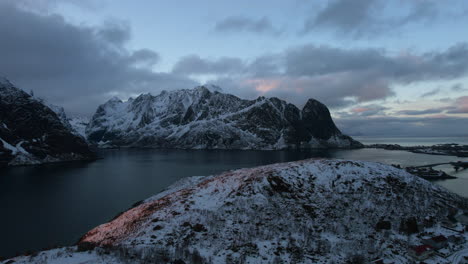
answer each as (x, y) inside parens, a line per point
(450, 149)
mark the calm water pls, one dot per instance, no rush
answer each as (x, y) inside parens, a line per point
(55, 204)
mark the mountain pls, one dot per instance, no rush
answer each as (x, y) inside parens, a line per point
(311, 211)
(32, 133)
(79, 125)
(205, 118)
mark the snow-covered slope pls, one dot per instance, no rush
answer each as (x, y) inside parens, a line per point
(311, 211)
(205, 118)
(32, 133)
(79, 125)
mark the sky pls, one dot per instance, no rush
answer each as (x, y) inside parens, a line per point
(384, 68)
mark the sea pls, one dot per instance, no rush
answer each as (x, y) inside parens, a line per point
(54, 205)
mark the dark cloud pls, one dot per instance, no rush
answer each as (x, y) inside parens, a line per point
(44, 6)
(422, 112)
(267, 65)
(435, 126)
(458, 88)
(369, 18)
(406, 67)
(343, 14)
(431, 93)
(78, 67)
(115, 32)
(144, 58)
(193, 64)
(235, 24)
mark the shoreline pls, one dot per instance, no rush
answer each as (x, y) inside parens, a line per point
(450, 149)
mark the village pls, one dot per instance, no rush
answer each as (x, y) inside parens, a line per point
(440, 243)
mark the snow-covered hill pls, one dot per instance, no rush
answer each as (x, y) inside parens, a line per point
(33, 133)
(311, 211)
(205, 118)
(79, 125)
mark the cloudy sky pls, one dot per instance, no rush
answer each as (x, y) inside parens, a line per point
(385, 68)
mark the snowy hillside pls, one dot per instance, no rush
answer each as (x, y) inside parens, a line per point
(76, 124)
(79, 125)
(311, 211)
(205, 118)
(33, 133)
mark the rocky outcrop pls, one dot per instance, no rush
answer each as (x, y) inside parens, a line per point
(32, 133)
(205, 118)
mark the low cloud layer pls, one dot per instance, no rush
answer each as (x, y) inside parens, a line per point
(405, 126)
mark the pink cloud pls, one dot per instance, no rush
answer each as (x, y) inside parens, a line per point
(264, 85)
(462, 104)
(360, 110)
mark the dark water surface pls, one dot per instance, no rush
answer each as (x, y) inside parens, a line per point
(51, 205)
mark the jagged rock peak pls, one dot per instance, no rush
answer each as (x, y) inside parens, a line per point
(210, 87)
(115, 99)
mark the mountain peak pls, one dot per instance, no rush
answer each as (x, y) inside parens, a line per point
(213, 88)
(202, 119)
(5, 82)
(115, 99)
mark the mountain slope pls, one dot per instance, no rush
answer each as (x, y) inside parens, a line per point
(32, 133)
(304, 211)
(311, 211)
(204, 118)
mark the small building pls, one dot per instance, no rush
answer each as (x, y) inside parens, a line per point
(436, 242)
(421, 252)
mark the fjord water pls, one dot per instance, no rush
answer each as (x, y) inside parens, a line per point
(52, 205)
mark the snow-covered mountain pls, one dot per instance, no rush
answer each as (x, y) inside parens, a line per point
(33, 133)
(79, 124)
(311, 211)
(205, 118)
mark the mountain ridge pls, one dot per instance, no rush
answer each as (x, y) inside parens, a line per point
(33, 133)
(205, 118)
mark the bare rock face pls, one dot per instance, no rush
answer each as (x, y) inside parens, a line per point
(205, 118)
(32, 133)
